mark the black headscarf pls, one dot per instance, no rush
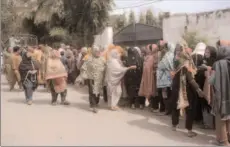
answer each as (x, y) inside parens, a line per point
(213, 54)
(133, 77)
(134, 58)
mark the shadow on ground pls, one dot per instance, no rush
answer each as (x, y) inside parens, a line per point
(8, 90)
(85, 106)
(166, 131)
(35, 102)
(80, 89)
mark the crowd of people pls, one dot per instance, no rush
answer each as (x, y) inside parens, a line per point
(169, 79)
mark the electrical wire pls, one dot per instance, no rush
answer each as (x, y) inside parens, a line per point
(154, 1)
(139, 5)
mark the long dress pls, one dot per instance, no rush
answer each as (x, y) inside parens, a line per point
(16, 60)
(114, 74)
(29, 81)
(148, 81)
(133, 77)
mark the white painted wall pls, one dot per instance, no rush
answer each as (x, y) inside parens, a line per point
(105, 38)
(212, 25)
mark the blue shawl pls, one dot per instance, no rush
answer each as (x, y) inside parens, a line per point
(164, 67)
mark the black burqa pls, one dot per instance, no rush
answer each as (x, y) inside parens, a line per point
(200, 79)
(26, 65)
(133, 77)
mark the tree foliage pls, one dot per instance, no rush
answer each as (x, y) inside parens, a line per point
(142, 18)
(119, 22)
(192, 38)
(150, 18)
(10, 23)
(132, 18)
(77, 19)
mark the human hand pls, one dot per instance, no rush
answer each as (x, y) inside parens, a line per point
(200, 93)
(133, 67)
(32, 71)
(209, 68)
(172, 73)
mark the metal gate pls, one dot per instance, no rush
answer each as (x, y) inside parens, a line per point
(24, 40)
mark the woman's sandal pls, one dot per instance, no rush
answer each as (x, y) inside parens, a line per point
(191, 134)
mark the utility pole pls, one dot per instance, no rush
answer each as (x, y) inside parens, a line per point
(134, 32)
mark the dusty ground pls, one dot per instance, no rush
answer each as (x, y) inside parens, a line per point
(42, 124)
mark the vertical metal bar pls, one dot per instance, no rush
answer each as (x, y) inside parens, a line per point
(135, 34)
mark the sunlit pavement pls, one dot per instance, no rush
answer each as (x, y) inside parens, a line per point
(44, 125)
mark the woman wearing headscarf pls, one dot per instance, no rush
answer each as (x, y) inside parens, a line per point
(56, 76)
(80, 57)
(45, 56)
(133, 77)
(164, 81)
(106, 54)
(115, 71)
(71, 65)
(15, 62)
(209, 59)
(93, 70)
(29, 77)
(148, 81)
(7, 63)
(220, 79)
(76, 71)
(198, 57)
(37, 55)
(184, 88)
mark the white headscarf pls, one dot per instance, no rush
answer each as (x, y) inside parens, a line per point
(115, 70)
(84, 50)
(200, 49)
(114, 55)
(95, 51)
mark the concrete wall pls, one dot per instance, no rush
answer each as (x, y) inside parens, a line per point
(212, 25)
(105, 38)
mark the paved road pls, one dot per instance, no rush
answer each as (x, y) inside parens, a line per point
(42, 124)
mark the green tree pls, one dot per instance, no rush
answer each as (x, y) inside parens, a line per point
(119, 22)
(65, 18)
(150, 18)
(192, 38)
(132, 18)
(142, 18)
(10, 23)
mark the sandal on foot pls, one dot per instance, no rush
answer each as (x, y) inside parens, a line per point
(94, 110)
(65, 103)
(29, 102)
(142, 107)
(133, 106)
(54, 103)
(113, 109)
(191, 134)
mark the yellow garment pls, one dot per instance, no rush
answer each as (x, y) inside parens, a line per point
(107, 51)
(37, 55)
(7, 64)
(55, 68)
(16, 60)
(87, 55)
